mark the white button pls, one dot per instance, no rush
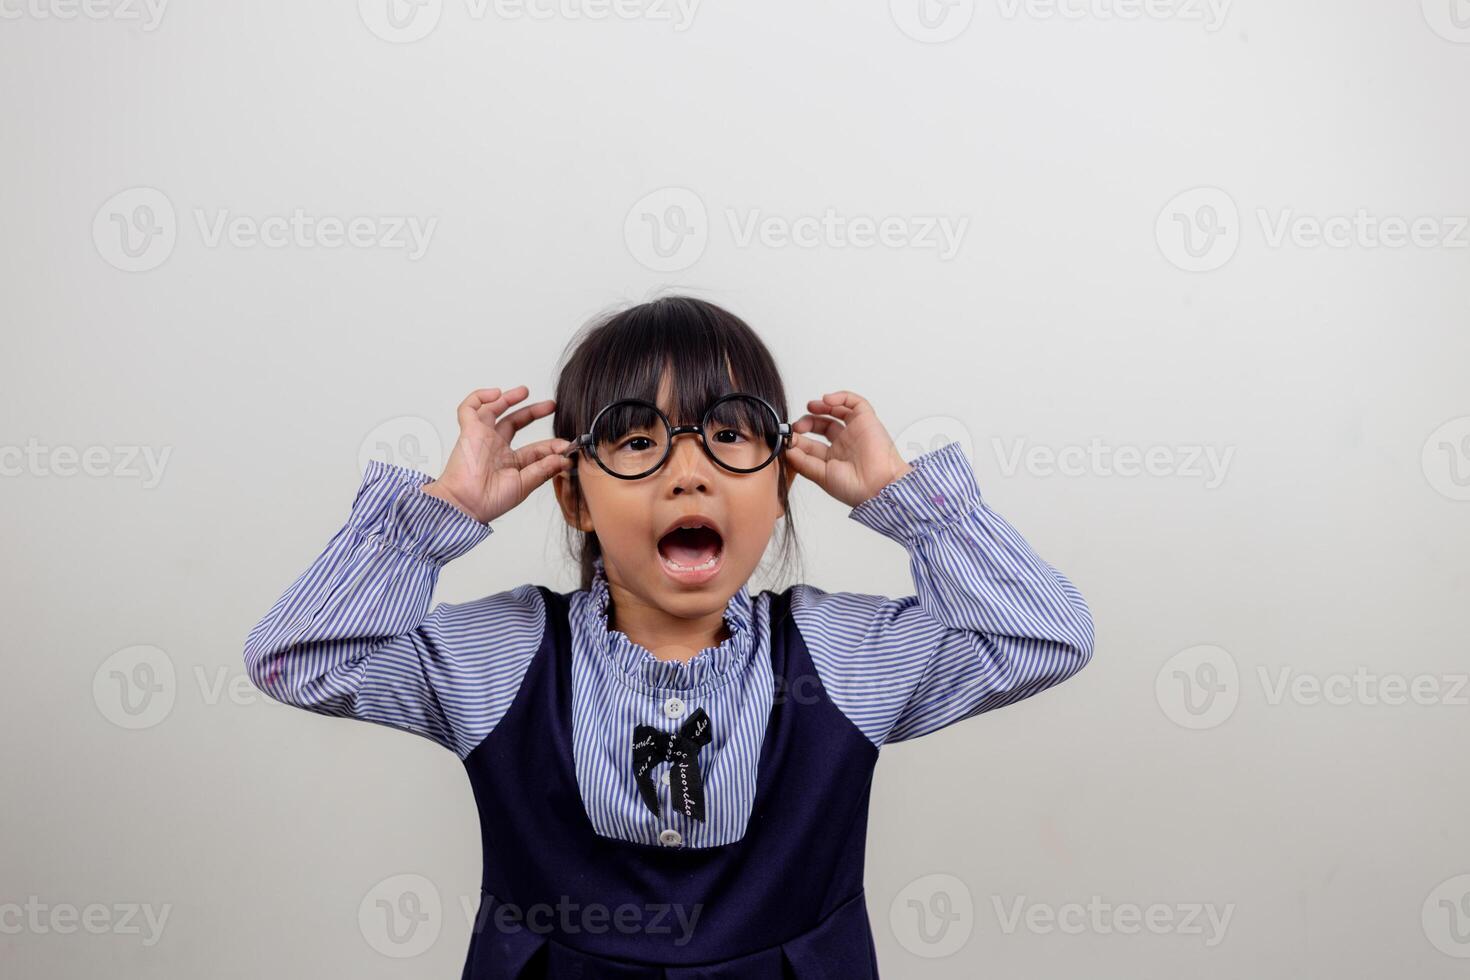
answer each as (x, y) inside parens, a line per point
(665, 777)
(670, 838)
(673, 707)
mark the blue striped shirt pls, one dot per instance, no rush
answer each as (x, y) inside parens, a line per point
(353, 636)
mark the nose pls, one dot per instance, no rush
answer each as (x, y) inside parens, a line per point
(688, 468)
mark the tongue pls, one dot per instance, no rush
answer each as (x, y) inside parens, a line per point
(690, 547)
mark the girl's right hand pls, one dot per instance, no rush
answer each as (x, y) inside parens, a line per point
(484, 476)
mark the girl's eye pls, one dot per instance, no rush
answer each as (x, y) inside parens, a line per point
(733, 434)
(628, 444)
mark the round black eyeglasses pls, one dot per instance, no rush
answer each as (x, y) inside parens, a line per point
(632, 438)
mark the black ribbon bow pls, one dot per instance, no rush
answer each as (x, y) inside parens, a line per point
(681, 749)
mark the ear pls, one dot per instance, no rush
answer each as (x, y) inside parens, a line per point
(566, 498)
(789, 474)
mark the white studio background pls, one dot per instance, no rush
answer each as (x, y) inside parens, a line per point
(1200, 321)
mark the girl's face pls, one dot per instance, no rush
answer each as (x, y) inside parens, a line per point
(631, 516)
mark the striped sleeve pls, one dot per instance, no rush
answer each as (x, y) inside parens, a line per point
(991, 624)
(353, 636)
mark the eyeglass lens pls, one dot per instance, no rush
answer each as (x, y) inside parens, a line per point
(630, 438)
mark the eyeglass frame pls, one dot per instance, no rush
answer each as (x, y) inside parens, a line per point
(585, 441)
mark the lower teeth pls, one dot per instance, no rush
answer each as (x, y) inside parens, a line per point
(692, 568)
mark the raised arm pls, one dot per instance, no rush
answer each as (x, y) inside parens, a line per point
(353, 635)
(991, 624)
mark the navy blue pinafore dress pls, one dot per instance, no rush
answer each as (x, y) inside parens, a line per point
(560, 900)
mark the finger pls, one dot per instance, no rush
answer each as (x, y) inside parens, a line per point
(540, 461)
(805, 462)
(809, 422)
(533, 451)
(489, 396)
(822, 425)
(810, 446)
(486, 404)
(848, 399)
(491, 400)
(519, 419)
(841, 411)
(467, 408)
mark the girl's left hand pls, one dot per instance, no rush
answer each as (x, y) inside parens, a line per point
(859, 460)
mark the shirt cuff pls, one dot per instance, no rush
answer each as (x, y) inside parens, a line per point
(939, 490)
(391, 507)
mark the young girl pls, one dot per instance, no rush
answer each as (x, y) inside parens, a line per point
(672, 774)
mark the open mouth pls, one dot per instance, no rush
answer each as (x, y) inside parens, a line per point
(691, 552)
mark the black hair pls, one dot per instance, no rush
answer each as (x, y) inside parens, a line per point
(624, 354)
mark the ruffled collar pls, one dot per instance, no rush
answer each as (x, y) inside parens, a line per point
(709, 668)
